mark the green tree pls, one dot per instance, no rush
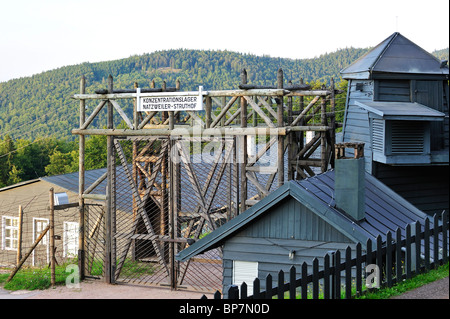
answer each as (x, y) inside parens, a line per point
(14, 176)
(7, 148)
(95, 152)
(62, 163)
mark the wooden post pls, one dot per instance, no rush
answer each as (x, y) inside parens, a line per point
(177, 88)
(280, 123)
(208, 110)
(323, 139)
(52, 237)
(81, 182)
(235, 177)
(300, 135)
(22, 261)
(173, 211)
(243, 147)
(333, 120)
(135, 170)
(19, 235)
(291, 145)
(109, 273)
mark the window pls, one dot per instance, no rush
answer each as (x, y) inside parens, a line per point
(39, 226)
(392, 90)
(10, 232)
(245, 271)
(70, 239)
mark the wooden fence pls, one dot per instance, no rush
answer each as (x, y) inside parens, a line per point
(398, 257)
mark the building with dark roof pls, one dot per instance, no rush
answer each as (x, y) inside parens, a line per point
(307, 219)
(398, 105)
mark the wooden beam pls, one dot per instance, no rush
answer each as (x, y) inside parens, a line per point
(224, 111)
(303, 113)
(93, 114)
(22, 261)
(122, 114)
(224, 131)
(260, 112)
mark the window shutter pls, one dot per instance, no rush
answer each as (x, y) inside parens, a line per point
(408, 137)
(245, 271)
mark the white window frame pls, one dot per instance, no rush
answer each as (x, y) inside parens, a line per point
(12, 228)
(44, 241)
(245, 271)
(66, 239)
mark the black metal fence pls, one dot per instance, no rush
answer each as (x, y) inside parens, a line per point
(398, 257)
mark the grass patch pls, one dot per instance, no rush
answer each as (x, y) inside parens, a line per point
(29, 278)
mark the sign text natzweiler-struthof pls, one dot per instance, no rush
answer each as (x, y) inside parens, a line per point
(183, 101)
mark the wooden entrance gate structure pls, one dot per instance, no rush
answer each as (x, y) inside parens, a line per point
(174, 176)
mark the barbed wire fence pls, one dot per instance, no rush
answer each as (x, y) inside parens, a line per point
(26, 235)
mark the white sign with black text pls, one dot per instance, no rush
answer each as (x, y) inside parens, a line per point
(170, 101)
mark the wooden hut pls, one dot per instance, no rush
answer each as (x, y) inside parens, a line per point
(397, 104)
(307, 219)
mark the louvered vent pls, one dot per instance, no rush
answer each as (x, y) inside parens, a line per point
(378, 135)
(408, 137)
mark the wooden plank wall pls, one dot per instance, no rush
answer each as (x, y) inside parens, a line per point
(425, 187)
(356, 125)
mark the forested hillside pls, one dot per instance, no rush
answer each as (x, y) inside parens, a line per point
(37, 113)
(42, 102)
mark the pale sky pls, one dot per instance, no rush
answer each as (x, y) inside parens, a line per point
(40, 35)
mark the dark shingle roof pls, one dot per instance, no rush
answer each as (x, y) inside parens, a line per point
(385, 211)
(396, 54)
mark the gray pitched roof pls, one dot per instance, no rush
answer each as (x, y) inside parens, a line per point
(396, 54)
(385, 211)
(402, 110)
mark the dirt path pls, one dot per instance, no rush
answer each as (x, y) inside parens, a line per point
(438, 289)
(90, 289)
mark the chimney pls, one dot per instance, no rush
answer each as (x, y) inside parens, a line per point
(349, 180)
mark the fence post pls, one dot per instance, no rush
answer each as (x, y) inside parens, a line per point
(19, 235)
(408, 252)
(426, 243)
(304, 281)
(315, 278)
(52, 237)
(243, 290)
(379, 255)
(417, 246)
(280, 291)
(292, 273)
(337, 275)
(398, 255)
(81, 184)
(233, 292)
(269, 286)
(389, 259)
(436, 257)
(358, 269)
(256, 289)
(333, 275)
(348, 273)
(326, 277)
(444, 237)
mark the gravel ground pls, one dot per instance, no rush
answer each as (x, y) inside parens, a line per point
(90, 289)
(94, 289)
(435, 290)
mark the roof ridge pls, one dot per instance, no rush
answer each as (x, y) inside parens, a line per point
(393, 37)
